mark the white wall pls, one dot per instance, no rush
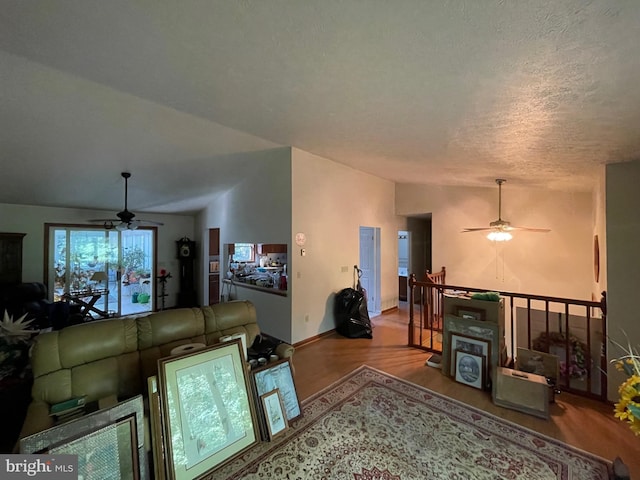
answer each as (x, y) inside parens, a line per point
(623, 261)
(558, 263)
(258, 210)
(330, 203)
(31, 219)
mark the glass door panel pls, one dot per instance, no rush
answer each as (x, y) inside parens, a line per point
(137, 273)
(106, 271)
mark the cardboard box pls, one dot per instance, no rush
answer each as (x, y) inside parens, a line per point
(525, 392)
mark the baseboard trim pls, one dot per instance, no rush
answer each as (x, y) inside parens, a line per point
(389, 310)
(315, 338)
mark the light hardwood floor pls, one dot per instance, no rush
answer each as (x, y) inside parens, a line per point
(580, 422)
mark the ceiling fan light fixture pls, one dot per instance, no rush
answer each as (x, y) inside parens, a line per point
(499, 229)
(499, 236)
(125, 220)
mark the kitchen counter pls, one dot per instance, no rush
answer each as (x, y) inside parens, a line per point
(271, 290)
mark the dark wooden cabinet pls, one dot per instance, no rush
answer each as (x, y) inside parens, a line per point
(214, 241)
(11, 258)
(214, 289)
(265, 248)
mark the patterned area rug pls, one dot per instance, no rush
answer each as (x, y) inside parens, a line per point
(372, 426)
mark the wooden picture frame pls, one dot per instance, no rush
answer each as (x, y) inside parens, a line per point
(274, 413)
(470, 313)
(155, 427)
(209, 416)
(486, 331)
(277, 375)
(110, 440)
(468, 344)
(539, 363)
(471, 369)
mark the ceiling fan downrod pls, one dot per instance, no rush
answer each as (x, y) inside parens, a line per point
(126, 176)
(500, 181)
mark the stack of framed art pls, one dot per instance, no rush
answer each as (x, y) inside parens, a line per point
(473, 340)
(109, 443)
(207, 408)
(275, 379)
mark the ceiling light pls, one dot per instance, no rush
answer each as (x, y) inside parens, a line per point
(499, 236)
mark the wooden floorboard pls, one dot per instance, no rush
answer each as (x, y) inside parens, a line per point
(583, 423)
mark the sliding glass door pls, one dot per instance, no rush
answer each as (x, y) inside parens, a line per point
(105, 272)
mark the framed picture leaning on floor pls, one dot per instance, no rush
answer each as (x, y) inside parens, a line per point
(208, 411)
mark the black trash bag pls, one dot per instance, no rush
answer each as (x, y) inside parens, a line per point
(352, 316)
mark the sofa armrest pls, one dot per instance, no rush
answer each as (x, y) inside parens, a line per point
(36, 420)
(284, 350)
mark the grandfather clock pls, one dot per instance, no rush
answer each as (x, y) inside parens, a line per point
(186, 256)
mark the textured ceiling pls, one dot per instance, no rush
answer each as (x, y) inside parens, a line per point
(542, 93)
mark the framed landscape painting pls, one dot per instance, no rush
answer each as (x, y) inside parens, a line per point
(208, 412)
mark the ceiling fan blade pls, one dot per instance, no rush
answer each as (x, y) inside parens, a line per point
(501, 225)
(479, 229)
(149, 222)
(527, 229)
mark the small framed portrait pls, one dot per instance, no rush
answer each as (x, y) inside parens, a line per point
(470, 313)
(470, 369)
(274, 414)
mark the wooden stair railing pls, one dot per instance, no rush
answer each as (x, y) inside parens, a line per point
(426, 324)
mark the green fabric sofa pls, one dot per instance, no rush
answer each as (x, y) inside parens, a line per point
(116, 356)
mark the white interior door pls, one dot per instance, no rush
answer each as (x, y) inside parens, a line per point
(370, 266)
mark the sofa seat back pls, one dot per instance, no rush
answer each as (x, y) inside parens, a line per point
(161, 332)
(95, 360)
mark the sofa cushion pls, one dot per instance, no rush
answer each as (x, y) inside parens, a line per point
(228, 318)
(168, 326)
(76, 361)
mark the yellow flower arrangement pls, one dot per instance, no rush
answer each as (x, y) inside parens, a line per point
(628, 408)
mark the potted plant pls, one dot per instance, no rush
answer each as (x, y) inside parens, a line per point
(15, 338)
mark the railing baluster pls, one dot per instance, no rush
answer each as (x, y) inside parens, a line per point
(567, 347)
(588, 353)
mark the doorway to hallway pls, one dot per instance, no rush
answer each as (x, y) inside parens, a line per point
(414, 251)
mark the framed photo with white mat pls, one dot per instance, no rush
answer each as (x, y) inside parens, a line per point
(273, 411)
(208, 412)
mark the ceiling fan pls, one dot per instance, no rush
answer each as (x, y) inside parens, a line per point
(499, 230)
(126, 220)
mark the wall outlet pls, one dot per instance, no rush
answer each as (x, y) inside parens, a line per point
(306, 318)
(344, 269)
